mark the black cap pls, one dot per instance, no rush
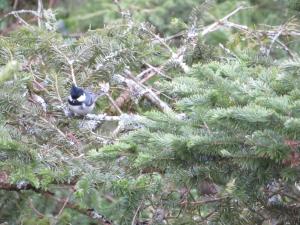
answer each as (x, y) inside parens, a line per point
(76, 92)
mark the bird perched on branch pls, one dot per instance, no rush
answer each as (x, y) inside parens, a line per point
(82, 102)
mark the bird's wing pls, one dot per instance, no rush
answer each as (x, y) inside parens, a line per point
(94, 96)
(90, 99)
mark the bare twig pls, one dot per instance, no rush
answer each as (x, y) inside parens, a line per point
(207, 128)
(38, 213)
(56, 89)
(179, 34)
(15, 4)
(203, 202)
(114, 103)
(16, 14)
(136, 213)
(63, 207)
(159, 39)
(140, 79)
(220, 22)
(72, 71)
(40, 12)
(178, 56)
(123, 99)
(135, 87)
(226, 50)
(54, 127)
(69, 61)
(118, 5)
(289, 52)
(272, 34)
(274, 39)
(149, 75)
(22, 12)
(209, 215)
(158, 71)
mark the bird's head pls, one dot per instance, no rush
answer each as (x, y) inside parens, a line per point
(77, 93)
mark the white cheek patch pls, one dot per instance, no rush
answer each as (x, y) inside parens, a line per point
(81, 98)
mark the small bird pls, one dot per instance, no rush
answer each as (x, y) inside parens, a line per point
(81, 102)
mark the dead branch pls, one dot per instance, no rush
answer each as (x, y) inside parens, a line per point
(273, 35)
(123, 99)
(69, 61)
(175, 57)
(112, 101)
(219, 23)
(38, 213)
(203, 202)
(141, 78)
(137, 89)
(102, 117)
(40, 12)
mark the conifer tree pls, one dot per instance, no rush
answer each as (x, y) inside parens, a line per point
(188, 132)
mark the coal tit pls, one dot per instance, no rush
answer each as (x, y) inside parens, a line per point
(80, 101)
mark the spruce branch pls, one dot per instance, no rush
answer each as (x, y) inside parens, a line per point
(56, 129)
(210, 135)
(92, 213)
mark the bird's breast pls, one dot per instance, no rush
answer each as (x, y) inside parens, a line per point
(81, 109)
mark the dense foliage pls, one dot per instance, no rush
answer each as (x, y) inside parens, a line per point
(201, 122)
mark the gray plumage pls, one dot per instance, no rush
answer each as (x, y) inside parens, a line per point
(81, 102)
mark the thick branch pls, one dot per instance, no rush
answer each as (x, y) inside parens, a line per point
(102, 117)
